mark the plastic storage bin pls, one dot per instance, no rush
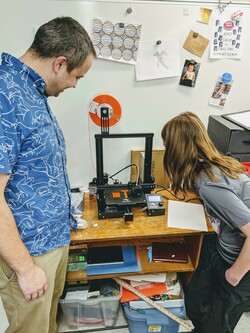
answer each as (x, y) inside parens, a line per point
(99, 311)
(153, 320)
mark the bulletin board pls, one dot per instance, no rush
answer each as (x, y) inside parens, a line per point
(145, 104)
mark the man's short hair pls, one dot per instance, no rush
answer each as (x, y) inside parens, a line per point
(63, 36)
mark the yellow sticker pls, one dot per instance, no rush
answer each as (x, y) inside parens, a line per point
(154, 328)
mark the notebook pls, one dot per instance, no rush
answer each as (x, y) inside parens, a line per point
(105, 255)
(170, 252)
(130, 264)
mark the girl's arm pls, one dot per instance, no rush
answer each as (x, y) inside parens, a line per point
(242, 265)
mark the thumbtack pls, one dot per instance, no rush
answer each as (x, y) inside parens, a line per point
(129, 10)
(195, 34)
(226, 77)
(158, 42)
(121, 25)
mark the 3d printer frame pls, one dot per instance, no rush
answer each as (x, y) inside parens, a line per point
(107, 209)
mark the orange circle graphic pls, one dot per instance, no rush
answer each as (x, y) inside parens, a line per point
(113, 104)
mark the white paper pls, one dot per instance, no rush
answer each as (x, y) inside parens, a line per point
(186, 215)
(161, 277)
(157, 61)
(227, 38)
(243, 118)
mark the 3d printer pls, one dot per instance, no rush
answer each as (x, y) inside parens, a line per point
(115, 200)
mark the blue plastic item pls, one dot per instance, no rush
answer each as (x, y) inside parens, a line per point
(152, 320)
(226, 77)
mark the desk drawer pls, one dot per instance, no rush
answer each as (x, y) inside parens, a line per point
(239, 142)
(242, 157)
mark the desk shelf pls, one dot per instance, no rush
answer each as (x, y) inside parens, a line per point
(143, 231)
(148, 267)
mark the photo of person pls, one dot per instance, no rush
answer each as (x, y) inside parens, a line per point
(189, 73)
(222, 102)
(220, 93)
(221, 89)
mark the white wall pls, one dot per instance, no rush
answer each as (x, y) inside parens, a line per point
(3, 318)
(146, 105)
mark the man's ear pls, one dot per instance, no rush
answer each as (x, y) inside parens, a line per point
(59, 63)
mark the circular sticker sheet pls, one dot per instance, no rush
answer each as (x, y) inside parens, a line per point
(108, 101)
(116, 41)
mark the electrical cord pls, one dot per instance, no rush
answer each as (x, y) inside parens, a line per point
(175, 196)
(128, 166)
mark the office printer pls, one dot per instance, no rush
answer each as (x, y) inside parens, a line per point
(229, 138)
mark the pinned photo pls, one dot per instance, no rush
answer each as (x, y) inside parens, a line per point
(220, 93)
(189, 73)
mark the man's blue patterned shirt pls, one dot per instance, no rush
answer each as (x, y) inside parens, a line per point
(32, 151)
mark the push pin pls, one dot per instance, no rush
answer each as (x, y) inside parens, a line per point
(226, 77)
(121, 25)
(158, 42)
(129, 10)
(195, 34)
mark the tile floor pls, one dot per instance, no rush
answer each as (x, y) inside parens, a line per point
(121, 326)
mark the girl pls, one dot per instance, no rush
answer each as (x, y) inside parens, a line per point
(219, 291)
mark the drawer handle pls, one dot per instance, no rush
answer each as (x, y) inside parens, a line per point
(246, 142)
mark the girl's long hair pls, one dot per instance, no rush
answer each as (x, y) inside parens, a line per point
(189, 150)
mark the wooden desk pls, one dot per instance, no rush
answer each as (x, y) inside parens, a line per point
(142, 231)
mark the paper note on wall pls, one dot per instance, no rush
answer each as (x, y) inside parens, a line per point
(227, 38)
(195, 43)
(117, 41)
(158, 59)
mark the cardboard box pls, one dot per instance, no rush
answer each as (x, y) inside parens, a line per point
(157, 170)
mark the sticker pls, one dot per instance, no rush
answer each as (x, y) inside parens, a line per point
(93, 106)
(154, 328)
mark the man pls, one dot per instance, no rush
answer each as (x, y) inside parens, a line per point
(35, 217)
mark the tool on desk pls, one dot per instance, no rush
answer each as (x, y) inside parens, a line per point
(154, 304)
(155, 204)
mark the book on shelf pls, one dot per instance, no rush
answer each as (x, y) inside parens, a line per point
(170, 252)
(105, 255)
(130, 264)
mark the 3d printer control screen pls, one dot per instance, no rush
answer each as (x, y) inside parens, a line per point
(154, 198)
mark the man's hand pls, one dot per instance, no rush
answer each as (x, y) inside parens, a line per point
(33, 283)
